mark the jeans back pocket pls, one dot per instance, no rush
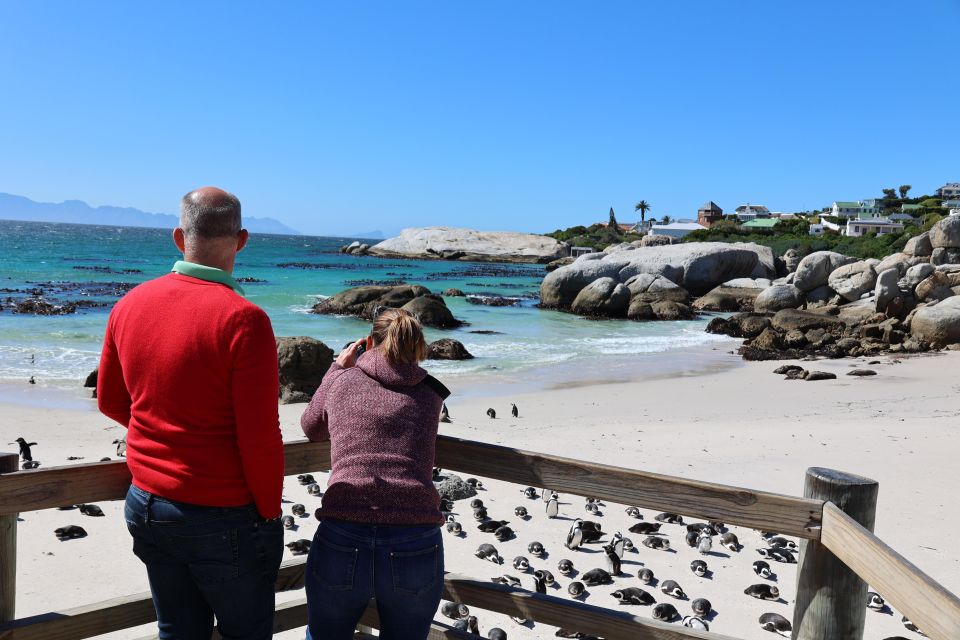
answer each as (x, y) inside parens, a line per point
(211, 557)
(415, 572)
(332, 565)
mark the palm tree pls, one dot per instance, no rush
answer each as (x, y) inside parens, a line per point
(643, 206)
(904, 189)
(666, 220)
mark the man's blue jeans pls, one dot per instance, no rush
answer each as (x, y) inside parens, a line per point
(350, 563)
(204, 562)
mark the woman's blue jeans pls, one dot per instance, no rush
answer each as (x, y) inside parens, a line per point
(204, 562)
(401, 567)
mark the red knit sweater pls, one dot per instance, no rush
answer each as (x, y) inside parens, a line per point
(190, 368)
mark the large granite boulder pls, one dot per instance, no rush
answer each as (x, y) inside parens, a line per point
(919, 245)
(899, 261)
(938, 324)
(432, 311)
(696, 266)
(726, 298)
(602, 297)
(942, 255)
(303, 361)
(789, 319)
(815, 269)
(655, 241)
(886, 289)
(853, 280)
(363, 302)
(936, 286)
(447, 349)
(449, 243)
(821, 296)
(915, 275)
(946, 233)
(777, 297)
(651, 288)
(791, 260)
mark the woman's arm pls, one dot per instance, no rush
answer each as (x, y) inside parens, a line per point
(314, 419)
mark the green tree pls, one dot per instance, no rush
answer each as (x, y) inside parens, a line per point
(904, 190)
(666, 220)
(890, 194)
(613, 221)
(643, 206)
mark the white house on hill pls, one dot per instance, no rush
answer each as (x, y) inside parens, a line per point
(675, 229)
(879, 226)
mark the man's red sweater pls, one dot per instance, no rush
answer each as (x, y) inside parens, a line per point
(190, 368)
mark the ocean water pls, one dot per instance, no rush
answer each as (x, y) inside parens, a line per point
(526, 345)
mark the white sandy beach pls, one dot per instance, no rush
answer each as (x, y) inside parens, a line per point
(743, 426)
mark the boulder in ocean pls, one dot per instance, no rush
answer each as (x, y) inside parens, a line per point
(432, 311)
(454, 293)
(447, 349)
(303, 361)
(91, 381)
(602, 297)
(364, 301)
(450, 243)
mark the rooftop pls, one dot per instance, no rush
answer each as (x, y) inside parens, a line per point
(710, 205)
(761, 223)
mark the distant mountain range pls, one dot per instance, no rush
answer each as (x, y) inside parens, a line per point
(78, 212)
(369, 235)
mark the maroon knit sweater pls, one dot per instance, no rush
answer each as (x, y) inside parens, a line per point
(382, 425)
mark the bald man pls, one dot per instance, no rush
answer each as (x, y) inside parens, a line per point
(189, 367)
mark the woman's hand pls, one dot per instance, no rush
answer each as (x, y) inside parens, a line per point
(348, 357)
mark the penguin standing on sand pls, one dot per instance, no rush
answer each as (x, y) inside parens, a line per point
(514, 411)
(575, 536)
(491, 413)
(553, 506)
(613, 560)
(444, 413)
(25, 448)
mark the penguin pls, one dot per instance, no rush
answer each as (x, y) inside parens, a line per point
(536, 548)
(70, 532)
(437, 474)
(451, 517)
(717, 526)
(875, 601)
(656, 543)
(633, 595)
(299, 547)
(762, 569)
(30, 464)
(454, 610)
(613, 560)
(314, 489)
(645, 528)
(593, 508)
(576, 589)
(704, 545)
(702, 528)
(287, 522)
(121, 446)
(455, 528)
(530, 492)
(701, 607)
(776, 623)
(693, 622)
(780, 555)
(665, 612)
(553, 506)
(25, 452)
(669, 518)
(779, 542)
(480, 514)
(519, 620)
(298, 510)
(520, 563)
(468, 624)
(565, 567)
(488, 552)
(910, 626)
(306, 479)
(476, 503)
(504, 533)
(444, 413)
(510, 581)
(692, 539)
(546, 576)
(699, 568)
(473, 482)
(521, 512)
(729, 541)
(90, 510)
(628, 544)
(763, 592)
(592, 531)
(633, 512)
(514, 411)
(645, 576)
(497, 634)
(619, 544)
(32, 380)
(545, 494)
(445, 503)
(491, 525)
(671, 588)
(491, 413)
(596, 577)
(539, 584)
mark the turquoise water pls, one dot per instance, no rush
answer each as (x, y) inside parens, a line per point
(84, 263)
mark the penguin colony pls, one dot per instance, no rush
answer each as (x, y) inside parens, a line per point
(618, 557)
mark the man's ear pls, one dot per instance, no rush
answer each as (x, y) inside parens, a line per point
(178, 239)
(242, 239)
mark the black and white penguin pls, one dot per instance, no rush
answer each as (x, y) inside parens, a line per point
(776, 623)
(910, 626)
(521, 512)
(779, 542)
(699, 568)
(633, 512)
(510, 581)
(491, 525)
(299, 547)
(444, 413)
(613, 560)
(704, 544)
(669, 518)
(32, 380)
(90, 510)
(553, 506)
(671, 588)
(665, 612)
(645, 576)
(298, 510)
(701, 607)
(514, 411)
(70, 532)
(780, 555)
(633, 595)
(497, 634)
(702, 528)
(596, 577)
(546, 576)
(763, 591)
(575, 535)
(729, 541)
(314, 490)
(25, 452)
(287, 522)
(592, 531)
(539, 584)
(455, 528)
(536, 548)
(306, 479)
(530, 492)
(480, 514)
(437, 474)
(30, 464)
(473, 482)
(121, 446)
(488, 552)
(576, 589)
(619, 544)
(565, 567)
(656, 543)
(593, 508)
(875, 601)
(491, 413)
(762, 569)
(476, 503)
(520, 563)
(454, 610)
(628, 544)
(693, 622)
(468, 624)
(645, 528)
(446, 504)
(504, 533)
(692, 539)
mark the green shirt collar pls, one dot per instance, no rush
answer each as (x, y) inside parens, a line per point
(210, 274)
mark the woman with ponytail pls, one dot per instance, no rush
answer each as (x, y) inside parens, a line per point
(379, 534)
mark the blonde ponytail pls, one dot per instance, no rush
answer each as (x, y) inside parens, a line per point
(399, 337)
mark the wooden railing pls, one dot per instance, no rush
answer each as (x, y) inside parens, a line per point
(837, 550)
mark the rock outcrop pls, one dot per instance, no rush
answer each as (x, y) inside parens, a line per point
(777, 297)
(363, 302)
(815, 269)
(303, 362)
(938, 324)
(447, 349)
(449, 243)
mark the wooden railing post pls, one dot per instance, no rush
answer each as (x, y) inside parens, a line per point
(831, 598)
(8, 549)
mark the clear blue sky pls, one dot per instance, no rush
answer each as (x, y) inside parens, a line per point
(352, 116)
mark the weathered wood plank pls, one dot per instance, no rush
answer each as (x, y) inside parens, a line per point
(9, 462)
(57, 486)
(932, 608)
(83, 622)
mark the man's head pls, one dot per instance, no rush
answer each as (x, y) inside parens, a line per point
(210, 230)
